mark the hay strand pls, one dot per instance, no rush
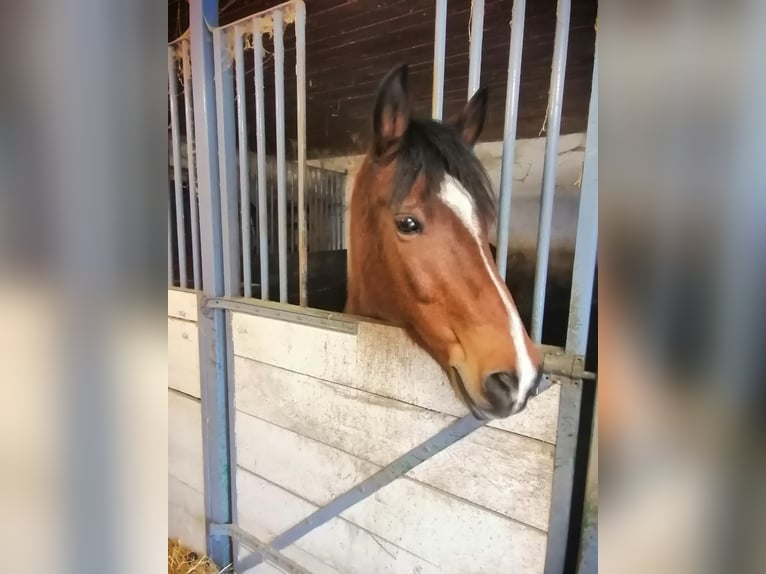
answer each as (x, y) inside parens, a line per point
(182, 560)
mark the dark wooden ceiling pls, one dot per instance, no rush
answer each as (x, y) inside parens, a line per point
(351, 44)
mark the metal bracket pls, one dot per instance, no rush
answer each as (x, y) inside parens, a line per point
(252, 542)
(558, 363)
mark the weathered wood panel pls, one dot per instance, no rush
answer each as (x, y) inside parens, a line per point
(405, 527)
(507, 473)
(186, 502)
(186, 515)
(182, 304)
(379, 359)
(266, 510)
(183, 357)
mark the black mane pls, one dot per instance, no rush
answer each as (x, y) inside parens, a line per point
(436, 149)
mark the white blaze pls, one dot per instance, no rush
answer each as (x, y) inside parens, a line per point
(454, 196)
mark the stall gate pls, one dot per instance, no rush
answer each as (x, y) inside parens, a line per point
(314, 442)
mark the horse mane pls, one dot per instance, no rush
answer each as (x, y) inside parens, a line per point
(435, 149)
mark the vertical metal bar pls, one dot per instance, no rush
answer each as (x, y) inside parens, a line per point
(170, 244)
(325, 220)
(476, 38)
(586, 242)
(563, 475)
(555, 99)
(440, 43)
(509, 131)
(244, 166)
(191, 164)
(588, 557)
(260, 150)
(213, 365)
(279, 95)
(339, 183)
(227, 160)
(300, 72)
(177, 170)
(293, 176)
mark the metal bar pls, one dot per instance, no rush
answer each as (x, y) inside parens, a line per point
(285, 312)
(227, 161)
(402, 465)
(324, 213)
(300, 72)
(476, 38)
(563, 475)
(509, 130)
(244, 166)
(588, 557)
(191, 165)
(583, 271)
(440, 43)
(555, 99)
(213, 364)
(279, 101)
(253, 543)
(586, 242)
(260, 147)
(291, 214)
(170, 244)
(177, 177)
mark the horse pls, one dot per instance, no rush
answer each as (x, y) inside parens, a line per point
(419, 254)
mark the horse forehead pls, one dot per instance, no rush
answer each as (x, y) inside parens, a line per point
(459, 201)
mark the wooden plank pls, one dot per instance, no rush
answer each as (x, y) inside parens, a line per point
(265, 510)
(294, 553)
(507, 473)
(404, 526)
(183, 357)
(379, 359)
(186, 515)
(185, 460)
(182, 304)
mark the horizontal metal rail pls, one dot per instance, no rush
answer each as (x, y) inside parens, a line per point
(556, 361)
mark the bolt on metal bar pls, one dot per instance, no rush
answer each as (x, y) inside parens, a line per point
(279, 101)
(586, 242)
(477, 35)
(300, 71)
(509, 130)
(244, 171)
(177, 172)
(260, 147)
(402, 465)
(191, 165)
(555, 100)
(440, 43)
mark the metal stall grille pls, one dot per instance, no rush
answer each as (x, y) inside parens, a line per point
(184, 264)
(324, 189)
(254, 217)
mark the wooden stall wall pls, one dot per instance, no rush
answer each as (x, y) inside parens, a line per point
(319, 410)
(186, 504)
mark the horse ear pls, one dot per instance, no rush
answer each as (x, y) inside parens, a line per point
(470, 121)
(392, 111)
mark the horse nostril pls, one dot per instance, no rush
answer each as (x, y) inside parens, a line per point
(502, 390)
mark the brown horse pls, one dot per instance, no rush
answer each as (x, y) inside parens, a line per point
(420, 258)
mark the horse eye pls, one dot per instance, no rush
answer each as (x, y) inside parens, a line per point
(408, 225)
